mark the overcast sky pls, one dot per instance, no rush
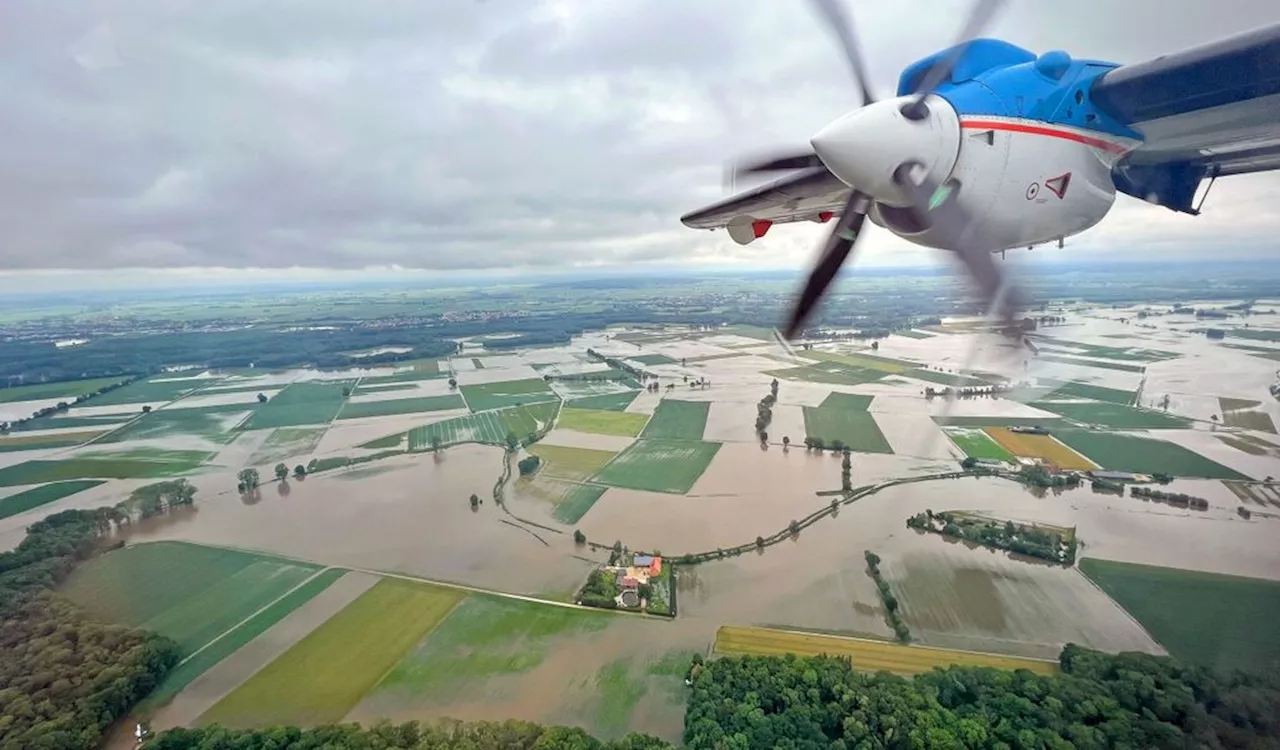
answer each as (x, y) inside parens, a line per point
(472, 134)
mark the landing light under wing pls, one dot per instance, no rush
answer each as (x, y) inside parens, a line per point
(1210, 111)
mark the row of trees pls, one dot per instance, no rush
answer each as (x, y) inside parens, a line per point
(33, 422)
(1098, 700)
(442, 735)
(764, 411)
(65, 678)
(1176, 499)
(887, 598)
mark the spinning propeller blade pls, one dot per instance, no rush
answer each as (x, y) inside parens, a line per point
(838, 248)
(982, 13)
(840, 25)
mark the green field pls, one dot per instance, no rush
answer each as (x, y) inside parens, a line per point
(977, 444)
(1114, 415)
(832, 373)
(1065, 389)
(483, 638)
(1120, 452)
(406, 377)
(576, 502)
(212, 423)
(151, 390)
(1068, 360)
(659, 465)
(120, 466)
(300, 404)
(367, 387)
(12, 505)
(683, 420)
(944, 378)
(40, 442)
(854, 401)
(570, 463)
(230, 641)
(861, 360)
(609, 402)
(64, 421)
(474, 428)
(602, 421)
(653, 359)
(356, 410)
(67, 390)
(325, 675)
(1219, 621)
(1249, 420)
(287, 442)
(858, 429)
(188, 592)
(486, 396)
(1130, 353)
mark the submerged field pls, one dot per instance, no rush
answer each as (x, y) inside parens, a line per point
(1224, 622)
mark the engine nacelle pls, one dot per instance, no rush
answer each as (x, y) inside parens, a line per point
(1023, 182)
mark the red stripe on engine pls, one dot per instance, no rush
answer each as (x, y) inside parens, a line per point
(1017, 127)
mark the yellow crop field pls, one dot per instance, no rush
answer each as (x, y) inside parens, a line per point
(1039, 446)
(867, 655)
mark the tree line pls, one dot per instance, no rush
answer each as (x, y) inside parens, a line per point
(1098, 700)
(65, 678)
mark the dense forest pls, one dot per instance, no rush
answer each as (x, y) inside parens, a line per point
(1099, 700)
(63, 677)
(445, 735)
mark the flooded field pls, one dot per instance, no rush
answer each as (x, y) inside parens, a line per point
(696, 479)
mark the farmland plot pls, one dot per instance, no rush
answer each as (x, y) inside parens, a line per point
(659, 465)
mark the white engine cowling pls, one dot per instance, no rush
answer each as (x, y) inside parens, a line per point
(1023, 185)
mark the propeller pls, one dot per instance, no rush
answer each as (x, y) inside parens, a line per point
(933, 204)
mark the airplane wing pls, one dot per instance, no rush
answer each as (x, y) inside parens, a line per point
(1210, 111)
(812, 194)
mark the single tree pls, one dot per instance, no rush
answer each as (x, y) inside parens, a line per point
(282, 472)
(475, 501)
(786, 442)
(453, 383)
(759, 542)
(513, 442)
(300, 471)
(875, 346)
(346, 392)
(578, 537)
(146, 409)
(436, 442)
(262, 398)
(249, 478)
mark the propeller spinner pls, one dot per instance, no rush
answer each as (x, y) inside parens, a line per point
(897, 152)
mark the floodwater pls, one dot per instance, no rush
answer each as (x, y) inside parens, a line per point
(412, 516)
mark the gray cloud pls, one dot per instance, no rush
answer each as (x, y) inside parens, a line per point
(475, 134)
